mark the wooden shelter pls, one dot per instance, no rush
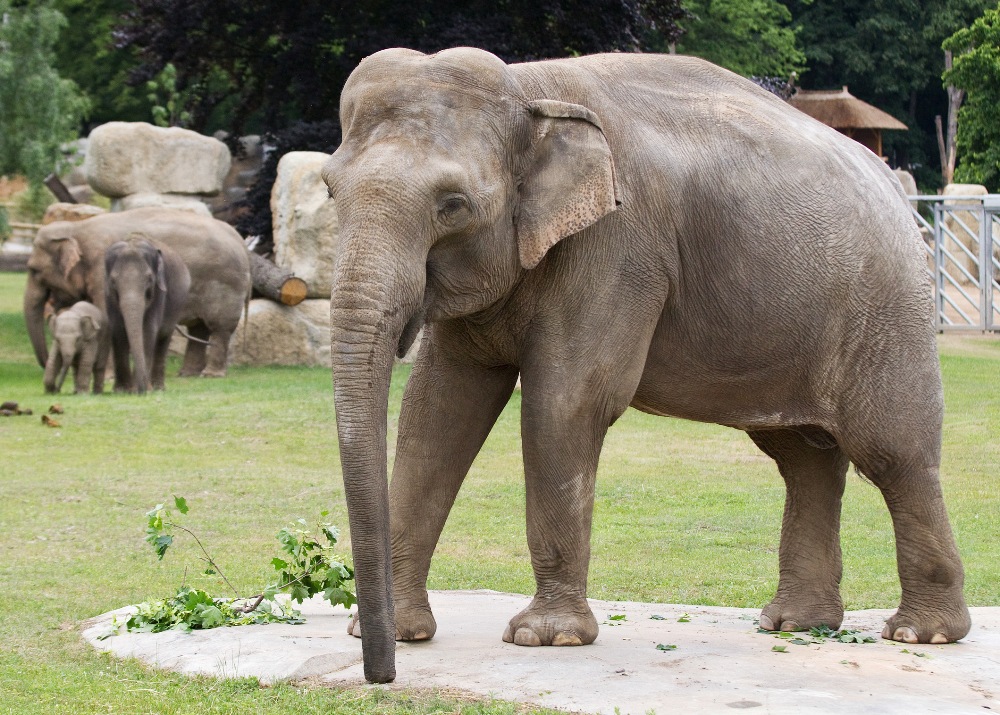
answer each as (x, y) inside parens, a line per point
(847, 114)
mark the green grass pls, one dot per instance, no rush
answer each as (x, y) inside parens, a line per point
(685, 513)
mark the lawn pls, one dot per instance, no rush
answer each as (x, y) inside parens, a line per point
(685, 513)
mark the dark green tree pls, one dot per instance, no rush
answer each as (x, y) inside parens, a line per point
(889, 53)
(750, 37)
(976, 69)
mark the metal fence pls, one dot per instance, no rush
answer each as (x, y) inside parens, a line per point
(962, 238)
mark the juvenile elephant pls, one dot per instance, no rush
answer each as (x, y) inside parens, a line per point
(67, 264)
(624, 229)
(75, 334)
(146, 291)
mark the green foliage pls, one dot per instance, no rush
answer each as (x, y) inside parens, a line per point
(168, 103)
(39, 110)
(749, 37)
(311, 568)
(666, 646)
(4, 224)
(976, 69)
(819, 635)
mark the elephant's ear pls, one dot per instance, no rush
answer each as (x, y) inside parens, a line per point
(69, 254)
(161, 272)
(89, 327)
(570, 182)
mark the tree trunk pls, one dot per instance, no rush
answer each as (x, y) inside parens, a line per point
(276, 283)
(948, 144)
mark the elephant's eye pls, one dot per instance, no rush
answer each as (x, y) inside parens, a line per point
(453, 208)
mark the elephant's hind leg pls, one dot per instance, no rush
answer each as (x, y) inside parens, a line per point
(194, 354)
(903, 464)
(809, 559)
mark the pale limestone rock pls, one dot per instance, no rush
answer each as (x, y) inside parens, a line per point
(70, 212)
(907, 180)
(305, 221)
(168, 201)
(126, 158)
(283, 335)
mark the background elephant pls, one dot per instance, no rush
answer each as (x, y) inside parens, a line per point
(625, 229)
(75, 334)
(67, 264)
(146, 289)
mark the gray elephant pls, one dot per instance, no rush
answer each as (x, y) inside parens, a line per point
(146, 291)
(622, 230)
(75, 337)
(67, 264)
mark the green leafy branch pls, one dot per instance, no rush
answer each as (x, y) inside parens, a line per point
(818, 636)
(309, 567)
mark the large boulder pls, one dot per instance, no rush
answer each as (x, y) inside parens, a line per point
(305, 221)
(70, 212)
(907, 180)
(184, 202)
(278, 334)
(126, 158)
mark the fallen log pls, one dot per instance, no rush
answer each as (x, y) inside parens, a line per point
(275, 283)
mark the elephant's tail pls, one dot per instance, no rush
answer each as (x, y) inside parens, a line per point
(188, 335)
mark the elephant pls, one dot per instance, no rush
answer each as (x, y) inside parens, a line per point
(623, 230)
(75, 333)
(67, 264)
(146, 291)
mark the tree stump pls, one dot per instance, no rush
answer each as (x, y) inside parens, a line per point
(276, 283)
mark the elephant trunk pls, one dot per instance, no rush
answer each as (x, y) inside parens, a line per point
(68, 356)
(35, 296)
(133, 313)
(368, 313)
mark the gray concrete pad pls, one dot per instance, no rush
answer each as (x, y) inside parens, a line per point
(720, 662)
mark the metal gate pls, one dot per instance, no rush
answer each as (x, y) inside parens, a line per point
(962, 239)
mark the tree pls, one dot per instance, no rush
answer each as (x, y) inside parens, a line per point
(265, 63)
(888, 52)
(750, 37)
(39, 110)
(976, 70)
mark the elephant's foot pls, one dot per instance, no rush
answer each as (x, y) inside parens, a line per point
(209, 372)
(786, 613)
(412, 624)
(562, 623)
(928, 625)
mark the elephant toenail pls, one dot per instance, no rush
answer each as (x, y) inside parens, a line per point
(766, 623)
(566, 639)
(938, 638)
(354, 628)
(790, 626)
(420, 636)
(526, 636)
(905, 634)
(886, 634)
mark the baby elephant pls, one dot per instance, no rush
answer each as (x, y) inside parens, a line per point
(75, 334)
(146, 287)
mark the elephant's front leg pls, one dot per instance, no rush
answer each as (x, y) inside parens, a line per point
(562, 431)
(217, 353)
(449, 408)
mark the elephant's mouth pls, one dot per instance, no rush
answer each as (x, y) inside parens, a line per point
(410, 330)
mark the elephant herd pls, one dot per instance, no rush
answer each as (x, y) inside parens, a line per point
(120, 283)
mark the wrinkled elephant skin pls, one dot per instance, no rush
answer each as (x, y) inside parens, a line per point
(622, 230)
(75, 340)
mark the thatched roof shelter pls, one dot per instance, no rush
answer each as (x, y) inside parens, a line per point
(847, 114)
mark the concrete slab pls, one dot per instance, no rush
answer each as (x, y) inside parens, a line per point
(720, 662)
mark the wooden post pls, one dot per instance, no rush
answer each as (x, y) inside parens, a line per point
(276, 283)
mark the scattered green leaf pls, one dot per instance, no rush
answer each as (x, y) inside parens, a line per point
(617, 617)
(665, 646)
(656, 617)
(779, 648)
(684, 619)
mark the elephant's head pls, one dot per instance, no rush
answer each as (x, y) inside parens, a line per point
(450, 183)
(135, 284)
(54, 274)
